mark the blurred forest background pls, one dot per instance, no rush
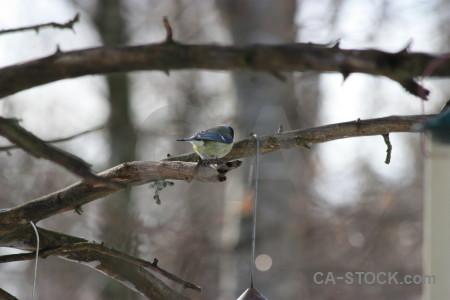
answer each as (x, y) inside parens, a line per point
(333, 208)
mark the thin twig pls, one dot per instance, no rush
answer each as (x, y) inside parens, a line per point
(19, 257)
(446, 107)
(54, 141)
(133, 275)
(278, 75)
(99, 248)
(131, 259)
(68, 25)
(389, 148)
(16, 134)
(169, 37)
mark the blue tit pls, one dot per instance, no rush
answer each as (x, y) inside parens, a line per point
(438, 126)
(212, 143)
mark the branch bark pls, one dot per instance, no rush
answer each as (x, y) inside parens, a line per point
(133, 272)
(54, 141)
(68, 25)
(24, 139)
(77, 248)
(4, 295)
(16, 232)
(140, 172)
(127, 174)
(301, 138)
(402, 66)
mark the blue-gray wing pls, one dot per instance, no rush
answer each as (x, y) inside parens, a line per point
(212, 136)
(222, 134)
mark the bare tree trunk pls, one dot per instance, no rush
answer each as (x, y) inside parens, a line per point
(111, 23)
(266, 102)
(197, 253)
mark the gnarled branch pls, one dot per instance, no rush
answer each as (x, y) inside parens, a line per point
(15, 230)
(402, 66)
(132, 271)
(139, 172)
(68, 25)
(54, 141)
(24, 139)
(303, 137)
(127, 174)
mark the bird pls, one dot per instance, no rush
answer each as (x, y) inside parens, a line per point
(212, 143)
(438, 126)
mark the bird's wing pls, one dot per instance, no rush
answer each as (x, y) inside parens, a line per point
(212, 136)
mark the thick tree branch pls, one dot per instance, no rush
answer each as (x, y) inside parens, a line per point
(129, 270)
(11, 129)
(15, 230)
(4, 295)
(68, 25)
(127, 174)
(81, 247)
(304, 137)
(402, 67)
(78, 248)
(139, 172)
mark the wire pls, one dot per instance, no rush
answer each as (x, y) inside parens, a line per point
(36, 260)
(255, 205)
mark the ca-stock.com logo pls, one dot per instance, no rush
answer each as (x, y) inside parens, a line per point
(383, 278)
